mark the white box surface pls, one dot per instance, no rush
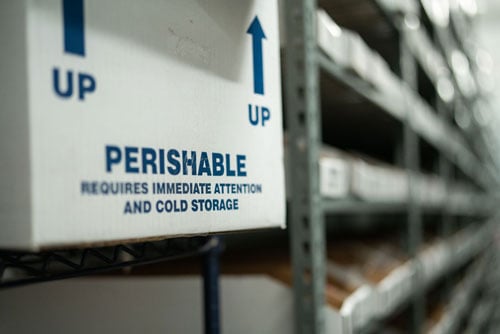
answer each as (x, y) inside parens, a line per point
(123, 95)
(334, 177)
(333, 40)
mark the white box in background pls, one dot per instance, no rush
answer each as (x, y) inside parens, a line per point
(360, 308)
(379, 74)
(130, 119)
(332, 39)
(432, 190)
(360, 54)
(396, 287)
(376, 183)
(334, 177)
(399, 6)
(343, 46)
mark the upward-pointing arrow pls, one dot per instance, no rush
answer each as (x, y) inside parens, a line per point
(74, 31)
(257, 33)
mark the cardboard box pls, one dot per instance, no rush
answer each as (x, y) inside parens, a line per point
(333, 40)
(334, 173)
(343, 46)
(399, 6)
(380, 74)
(347, 49)
(378, 183)
(360, 54)
(123, 120)
(431, 191)
(334, 181)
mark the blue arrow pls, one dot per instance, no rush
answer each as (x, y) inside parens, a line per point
(74, 31)
(257, 33)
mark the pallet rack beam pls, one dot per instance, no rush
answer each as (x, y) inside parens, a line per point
(477, 206)
(356, 206)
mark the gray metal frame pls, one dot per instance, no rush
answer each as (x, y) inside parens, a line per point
(411, 144)
(306, 225)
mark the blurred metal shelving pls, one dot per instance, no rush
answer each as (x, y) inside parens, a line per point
(419, 121)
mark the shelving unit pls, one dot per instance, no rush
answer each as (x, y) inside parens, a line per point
(23, 268)
(395, 65)
(20, 268)
(318, 51)
(370, 304)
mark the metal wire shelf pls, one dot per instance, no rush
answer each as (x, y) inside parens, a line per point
(22, 268)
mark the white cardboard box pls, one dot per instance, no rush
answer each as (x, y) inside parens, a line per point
(334, 172)
(333, 40)
(347, 49)
(378, 183)
(152, 304)
(123, 95)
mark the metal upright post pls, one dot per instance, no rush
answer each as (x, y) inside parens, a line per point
(444, 165)
(412, 163)
(306, 223)
(211, 286)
